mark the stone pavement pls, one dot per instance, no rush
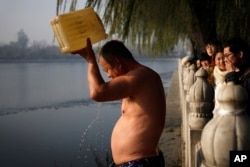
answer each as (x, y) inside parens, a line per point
(171, 140)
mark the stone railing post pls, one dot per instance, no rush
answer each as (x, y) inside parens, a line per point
(201, 97)
(186, 63)
(191, 78)
(185, 74)
(184, 71)
(228, 130)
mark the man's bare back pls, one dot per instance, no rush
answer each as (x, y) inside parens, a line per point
(137, 132)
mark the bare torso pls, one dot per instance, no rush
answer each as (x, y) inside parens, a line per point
(137, 132)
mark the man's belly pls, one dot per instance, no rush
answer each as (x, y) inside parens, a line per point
(131, 141)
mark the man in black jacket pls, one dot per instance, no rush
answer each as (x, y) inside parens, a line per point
(237, 61)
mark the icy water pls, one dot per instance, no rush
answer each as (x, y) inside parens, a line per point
(48, 120)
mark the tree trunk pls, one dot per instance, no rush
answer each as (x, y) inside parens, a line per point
(203, 22)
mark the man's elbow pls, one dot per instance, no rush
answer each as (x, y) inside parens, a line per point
(96, 96)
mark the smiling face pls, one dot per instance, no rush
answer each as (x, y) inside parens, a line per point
(219, 61)
(230, 57)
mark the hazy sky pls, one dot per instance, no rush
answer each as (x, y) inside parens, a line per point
(33, 16)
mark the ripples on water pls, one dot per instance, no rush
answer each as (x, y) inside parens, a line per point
(47, 118)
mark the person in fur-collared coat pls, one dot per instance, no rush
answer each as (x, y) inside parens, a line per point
(219, 74)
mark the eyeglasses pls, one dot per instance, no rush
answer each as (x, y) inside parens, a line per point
(227, 55)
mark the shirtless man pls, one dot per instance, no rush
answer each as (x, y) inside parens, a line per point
(136, 134)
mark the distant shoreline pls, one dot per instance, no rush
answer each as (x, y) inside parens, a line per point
(40, 60)
(74, 59)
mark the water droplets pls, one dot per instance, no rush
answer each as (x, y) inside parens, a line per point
(84, 145)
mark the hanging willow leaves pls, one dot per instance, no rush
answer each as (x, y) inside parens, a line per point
(157, 26)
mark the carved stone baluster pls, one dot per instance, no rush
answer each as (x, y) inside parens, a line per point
(186, 62)
(190, 80)
(185, 73)
(229, 130)
(201, 95)
(201, 105)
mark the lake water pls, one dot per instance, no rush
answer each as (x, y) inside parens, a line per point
(48, 120)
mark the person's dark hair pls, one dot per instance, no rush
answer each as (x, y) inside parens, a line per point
(235, 46)
(113, 49)
(216, 43)
(204, 56)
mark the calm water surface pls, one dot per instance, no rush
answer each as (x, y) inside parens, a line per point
(48, 120)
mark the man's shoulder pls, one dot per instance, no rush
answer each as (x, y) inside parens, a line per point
(145, 72)
(142, 76)
(148, 70)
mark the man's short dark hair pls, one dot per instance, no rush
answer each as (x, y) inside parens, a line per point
(115, 48)
(235, 46)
